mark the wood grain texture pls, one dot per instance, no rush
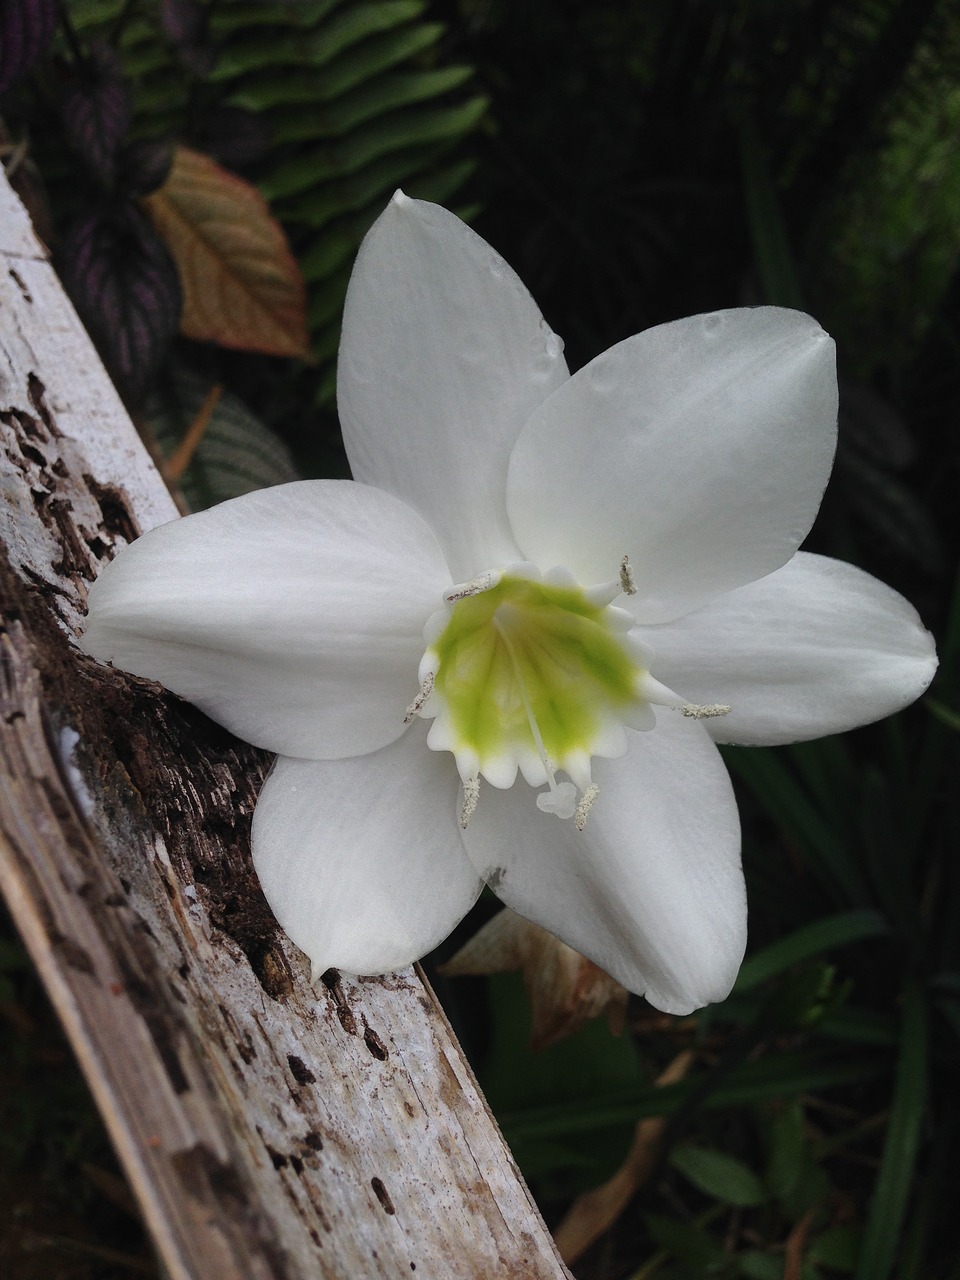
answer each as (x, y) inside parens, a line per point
(269, 1129)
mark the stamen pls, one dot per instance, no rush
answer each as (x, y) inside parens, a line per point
(705, 712)
(627, 583)
(585, 805)
(653, 691)
(471, 795)
(604, 593)
(417, 705)
(475, 587)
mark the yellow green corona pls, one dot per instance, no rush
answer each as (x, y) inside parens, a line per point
(526, 657)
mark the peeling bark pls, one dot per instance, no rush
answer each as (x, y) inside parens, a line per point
(268, 1128)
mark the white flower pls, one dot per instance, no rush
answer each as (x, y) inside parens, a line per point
(306, 618)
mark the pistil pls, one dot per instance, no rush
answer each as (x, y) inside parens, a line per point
(562, 797)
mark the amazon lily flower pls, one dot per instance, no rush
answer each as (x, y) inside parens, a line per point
(585, 581)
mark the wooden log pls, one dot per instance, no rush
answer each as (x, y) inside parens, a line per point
(268, 1128)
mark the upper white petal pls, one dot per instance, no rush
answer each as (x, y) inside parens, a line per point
(291, 615)
(651, 890)
(699, 448)
(816, 648)
(444, 356)
(361, 859)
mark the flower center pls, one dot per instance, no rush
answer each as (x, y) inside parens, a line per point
(532, 673)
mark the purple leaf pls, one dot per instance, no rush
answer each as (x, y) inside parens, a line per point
(144, 166)
(26, 29)
(185, 22)
(124, 284)
(182, 20)
(97, 107)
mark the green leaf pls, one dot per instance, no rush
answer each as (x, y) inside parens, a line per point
(811, 940)
(684, 1240)
(786, 1145)
(326, 300)
(354, 23)
(771, 245)
(765, 772)
(361, 190)
(329, 254)
(571, 1076)
(13, 957)
(946, 715)
(719, 1175)
(760, 1266)
(897, 1166)
(837, 1248)
(775, 1076)
(360, 149)
(307, 13)
(858, 1026)
(237, 452)
(440, 184)
(589, 1065)
(369, 100)
(374, 56)
(255, 49)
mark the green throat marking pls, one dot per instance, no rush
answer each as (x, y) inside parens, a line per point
(527, 657)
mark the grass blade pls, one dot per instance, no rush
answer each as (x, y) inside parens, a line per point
(895, 1180)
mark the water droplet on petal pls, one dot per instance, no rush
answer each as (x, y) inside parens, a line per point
(554, 346)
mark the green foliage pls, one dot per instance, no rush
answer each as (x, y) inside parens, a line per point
(573, 1075)
(340, 103)
(236, 453)
(716, 1174)
(885, 300)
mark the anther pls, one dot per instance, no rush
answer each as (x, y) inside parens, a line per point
(627, 583)
(707, 712)
(471, 794)
(417, 705)
(475, 587)
(585, 805)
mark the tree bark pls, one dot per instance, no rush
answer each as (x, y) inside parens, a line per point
(268, 1128)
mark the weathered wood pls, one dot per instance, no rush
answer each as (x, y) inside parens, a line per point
(269, 1130)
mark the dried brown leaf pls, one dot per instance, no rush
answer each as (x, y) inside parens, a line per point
(564, 988)
(242, 287)
(595, 1212)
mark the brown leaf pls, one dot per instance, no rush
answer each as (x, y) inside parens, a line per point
(595, 1212)
(564, 988)
(241, 285)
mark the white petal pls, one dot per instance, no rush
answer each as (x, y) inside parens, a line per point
(292, 615)
(700, 449)
(651, 890)
(361, 859)
(444, 356)
(816, 648)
